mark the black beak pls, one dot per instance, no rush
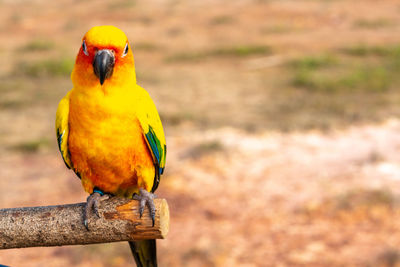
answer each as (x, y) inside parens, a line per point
(103, 64)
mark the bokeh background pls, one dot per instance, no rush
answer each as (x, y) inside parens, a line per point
(281, 120)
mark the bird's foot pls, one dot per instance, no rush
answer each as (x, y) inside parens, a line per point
(92, 204)
(146, 199)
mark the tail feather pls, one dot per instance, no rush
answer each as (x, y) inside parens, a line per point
(144, 252)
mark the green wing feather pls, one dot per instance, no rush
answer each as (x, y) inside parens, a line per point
(62, 129)
(154, 135)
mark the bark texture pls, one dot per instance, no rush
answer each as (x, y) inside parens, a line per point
(63, 225)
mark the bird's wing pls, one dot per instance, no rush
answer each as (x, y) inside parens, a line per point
(153, 133)
(62, 129)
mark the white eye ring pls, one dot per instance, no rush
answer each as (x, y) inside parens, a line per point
(126, 49)
(84, 48)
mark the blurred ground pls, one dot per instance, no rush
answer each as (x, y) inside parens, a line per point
(281, 120)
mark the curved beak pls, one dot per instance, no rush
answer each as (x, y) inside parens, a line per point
(103, 64)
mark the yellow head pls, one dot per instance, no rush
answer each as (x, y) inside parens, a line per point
(105, 58)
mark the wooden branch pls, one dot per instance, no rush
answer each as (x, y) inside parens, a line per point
(63, 225)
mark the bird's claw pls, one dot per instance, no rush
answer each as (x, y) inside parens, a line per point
(93, 203)
(146, 199)
(85, 222)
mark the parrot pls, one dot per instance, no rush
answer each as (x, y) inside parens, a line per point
(109, 131)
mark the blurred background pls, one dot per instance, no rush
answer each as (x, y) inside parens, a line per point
(281, 120)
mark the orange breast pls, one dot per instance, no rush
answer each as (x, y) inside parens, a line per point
(108, 149)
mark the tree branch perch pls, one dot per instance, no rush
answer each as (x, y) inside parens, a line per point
(63, 225)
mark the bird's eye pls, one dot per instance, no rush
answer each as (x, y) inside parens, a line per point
(84, 48)
(125, 50)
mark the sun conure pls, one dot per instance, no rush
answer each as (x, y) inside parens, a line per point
(109, 131)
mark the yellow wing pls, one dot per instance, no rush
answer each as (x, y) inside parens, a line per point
(153, 133)
(62, 129)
